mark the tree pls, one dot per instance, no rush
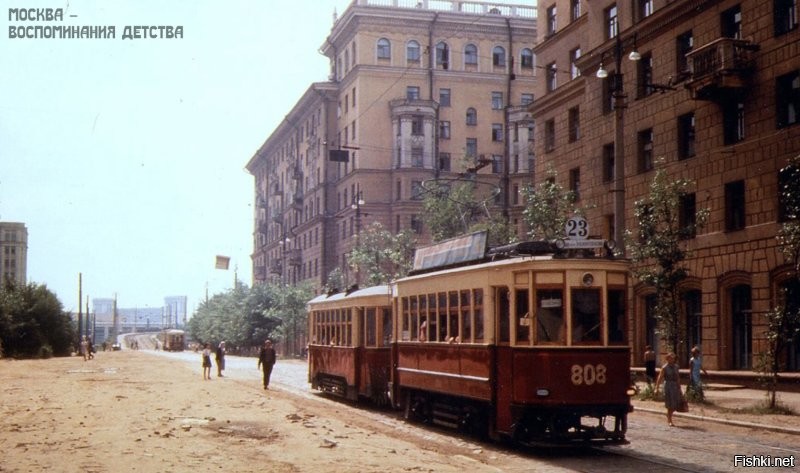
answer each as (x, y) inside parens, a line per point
(783, 321)
(548, 206)
(453, 207)
(290, 308)
(381, 256)
(33, 322)
(658, 247)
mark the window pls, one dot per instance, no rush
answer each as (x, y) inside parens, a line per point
(608, 162)
(645, 8)
(412, 92)
(526, 58)
(683, 45)
(444, 130)
(787, 99)
(444, 162)
(551, 20)
(497, 164)
(417, 125)
(575, 182)
(472, 117)
(550, 327)
(416, 156)
(732, 121)
(497, 100)
(443, 55)
(470, 55)
(416, 226)
(472, 147)
(417, 190)
(785, 16)
(734, 206)
(788, 201)
(687, 216)
(644, 76)
(686, 136)
(499, 56)
(611, 22)
(574, 122)
(645, 144)
(444, 97)
(587, 322)
(731, 22)
(552, 80)
(497, 132)
(574, 9)
(549, 135)
(412, 51)
(574, 55)
(526, 99)
(608, 93)
(384, 49)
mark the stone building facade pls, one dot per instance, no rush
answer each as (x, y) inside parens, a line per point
(414, 88)
(13, 252)
(713, 97)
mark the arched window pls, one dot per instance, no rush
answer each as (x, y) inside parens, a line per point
(526, 58)
(472, 116)
(384, 49)
(412, 51)
(499, 56)
(443, 55)
(471, 55)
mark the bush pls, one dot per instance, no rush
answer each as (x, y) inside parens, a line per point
(45, 352)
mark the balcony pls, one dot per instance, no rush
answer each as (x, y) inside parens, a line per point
(721, 68)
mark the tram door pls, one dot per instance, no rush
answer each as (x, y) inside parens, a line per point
(504, 378)
(742, 328)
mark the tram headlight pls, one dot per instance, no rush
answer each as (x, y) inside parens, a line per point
(542, 392)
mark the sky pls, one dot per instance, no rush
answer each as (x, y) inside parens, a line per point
(125, 158)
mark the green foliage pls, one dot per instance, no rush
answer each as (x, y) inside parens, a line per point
(783, 322)
(336, 281)
(381, 255)
(33, 322)
(548, 206)
(245, 317)
(658, 246)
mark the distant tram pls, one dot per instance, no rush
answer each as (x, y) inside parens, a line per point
(526, 342)
(174, 340)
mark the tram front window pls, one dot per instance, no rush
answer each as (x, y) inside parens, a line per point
(550, 316)
(586, 317)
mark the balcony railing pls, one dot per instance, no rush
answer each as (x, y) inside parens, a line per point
(719, 67)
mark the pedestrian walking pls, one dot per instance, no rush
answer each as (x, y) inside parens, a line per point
(220, 357)
(649, 364)
(266, 360)
(695, 387)
(673, 398)
(207, 361)
(85, 348)
(90, 348)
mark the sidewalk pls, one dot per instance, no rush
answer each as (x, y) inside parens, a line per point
(731, 404)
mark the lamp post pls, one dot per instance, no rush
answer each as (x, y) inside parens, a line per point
(358, 201)
(618, 94)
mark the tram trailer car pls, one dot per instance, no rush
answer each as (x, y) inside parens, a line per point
(529, 348)
(174, 340)
(350, 350)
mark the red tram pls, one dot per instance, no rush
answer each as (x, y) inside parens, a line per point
(349, 353)
(526, 344)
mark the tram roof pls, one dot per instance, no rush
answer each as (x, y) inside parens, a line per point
(382, 290)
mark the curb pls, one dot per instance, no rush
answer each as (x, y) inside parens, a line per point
(752, 425)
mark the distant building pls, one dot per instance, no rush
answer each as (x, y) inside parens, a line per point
(414, 89)
(14, 254)
(175, 313)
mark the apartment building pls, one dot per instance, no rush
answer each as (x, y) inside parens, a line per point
(416, 89)
(708, 90)
(14, 254)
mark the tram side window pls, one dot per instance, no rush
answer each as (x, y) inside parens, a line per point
(386, 315)
(452, 333)
(477, 300)
(423, 318)
(414, 316)
(405, 317)
(466, 316)
(587, 320)
(430, 321)
(348, 329)
(616, 316)
(550, 316)
(371, 339)
(503, 311)
(442, 300)
(523, 316)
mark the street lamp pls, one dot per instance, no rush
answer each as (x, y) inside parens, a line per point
(358, 201)
(618, 94)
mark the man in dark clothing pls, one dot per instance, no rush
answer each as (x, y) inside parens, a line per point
(266, 360)
(220, 356)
